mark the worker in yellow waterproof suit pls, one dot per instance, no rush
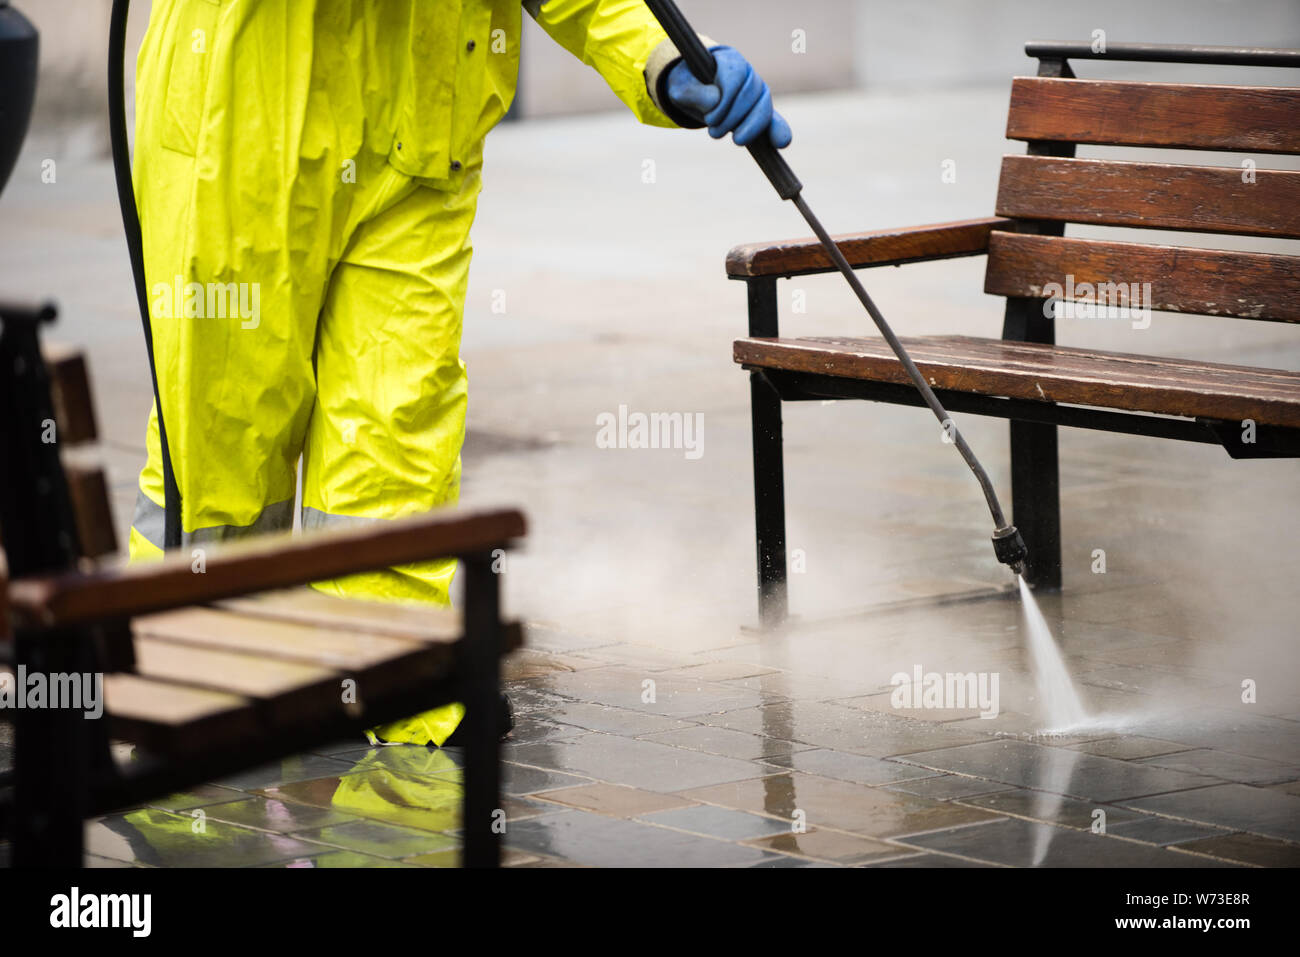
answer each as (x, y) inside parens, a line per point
(307, 172)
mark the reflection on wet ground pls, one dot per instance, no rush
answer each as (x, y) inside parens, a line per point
(786, 752)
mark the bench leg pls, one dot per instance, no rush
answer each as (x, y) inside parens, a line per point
(1036, 499)
(483, 820)
(51, 762)
(769, 501)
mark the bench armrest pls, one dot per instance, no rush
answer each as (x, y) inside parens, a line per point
(885, 247)
(254, 565)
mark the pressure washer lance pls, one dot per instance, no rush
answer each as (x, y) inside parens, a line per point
(1007, 543)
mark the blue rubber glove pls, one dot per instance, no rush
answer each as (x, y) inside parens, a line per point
(737, 102)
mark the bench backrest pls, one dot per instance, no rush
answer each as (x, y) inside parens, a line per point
(1048, 187)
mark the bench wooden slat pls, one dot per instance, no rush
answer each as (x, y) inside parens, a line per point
(377, 662)
(1207, 282)
(415, 622)
(174, 718)
(311, 607)
(286, 692)
(74, 407)
(258, 564)
(88, 490)
(884, 247)
(1238, 118)
(1023, 370)
(1159, 195)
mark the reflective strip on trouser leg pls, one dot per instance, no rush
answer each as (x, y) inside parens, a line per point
(150, 517)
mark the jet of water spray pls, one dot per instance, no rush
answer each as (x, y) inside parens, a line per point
(1060, 702)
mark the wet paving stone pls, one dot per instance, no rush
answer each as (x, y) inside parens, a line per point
(720, 671)
(533, 698)
(841, 729)
(1238, 807)
(946, 787)
(718, 822)
(196, 797)
(786, 684)
(358, 743)
(784, 861)
(440, 859)
(1051, 808)
(612, 720)
(510, 857)
(1229, 767)
(518, 780)
(1129, 747)
(298, 768)
(1030, 844)
(525, 859)
(526, 664)
(338, 859)
(1058, 770)
(635, 762)
(1016, 726)
(837, 804)
(1275, 739)
(161, 838)
(827, 846)
(614, 799)
(379, 839)
(926, 861)
(431, 803)
(845, 766)
(531, 728)
(1163, 830)
(284, 817)
(1249, 849)
(725, 742)
(883, 702)
(639, 657)
(599, 841)
(626, 688)
(403, 758)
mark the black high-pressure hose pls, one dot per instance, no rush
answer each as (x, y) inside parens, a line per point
(1007, 543)
(135, 246)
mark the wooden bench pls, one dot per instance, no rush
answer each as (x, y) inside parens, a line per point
(1025, 376)
(213, 668)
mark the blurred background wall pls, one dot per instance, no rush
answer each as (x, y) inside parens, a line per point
(799, 46)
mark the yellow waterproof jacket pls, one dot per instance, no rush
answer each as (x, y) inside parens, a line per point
(443, 115)
(440, 115)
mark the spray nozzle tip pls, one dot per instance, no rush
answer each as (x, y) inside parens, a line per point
(1010, 548)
